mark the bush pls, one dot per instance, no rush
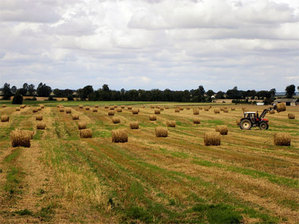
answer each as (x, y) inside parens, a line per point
(17, 99)
(70, 98)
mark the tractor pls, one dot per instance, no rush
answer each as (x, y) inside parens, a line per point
(253, 119)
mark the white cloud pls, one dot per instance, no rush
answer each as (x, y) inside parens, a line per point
(177, 44)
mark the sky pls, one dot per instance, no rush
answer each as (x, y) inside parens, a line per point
(147, 44)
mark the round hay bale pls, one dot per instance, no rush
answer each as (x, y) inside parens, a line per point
(122, 107)
(181, 108)
(195, 111)
(95, 110)
(238, 122)
(61, 109)
(281, 107)
(18, 108)
(68, 110)
(166, 107)
(135, 111)
(87, 108)
(161, 109)
(20, 138)
(171, 124)
(212, 138)
(282, 139)
(129, 107)
(188, 108)
(134, 125)
(222, 129)
(115, 120)
(200, 108)
(41, 125)
(152, 107)
(196, 121)
(152, 117)
(177, 110)
(271, 112)
(86, 133)
(216, 111)
(4, 118)
(161, 132)
(291, 116)
(96, 106)
(111, 113)
(232, 109)
(111, 108)
(119, 110)
(35, 110)
(119, 136)
(75, 117)
(82, 125)
(39, 117)
(23, 106)
(42, 106)
(30, 133)
(157, 112)
(3, 105)
(106, 107)
(225, 110)
(206, 109)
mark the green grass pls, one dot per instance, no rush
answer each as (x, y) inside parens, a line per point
(253, 173)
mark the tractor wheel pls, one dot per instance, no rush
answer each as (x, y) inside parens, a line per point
(264, 126)
(245, 124)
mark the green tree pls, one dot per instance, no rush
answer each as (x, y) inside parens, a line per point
(290, 91)
(18, 98)
(6, 91)
(43, 90)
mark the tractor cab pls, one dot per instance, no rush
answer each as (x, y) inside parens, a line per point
(253, 116)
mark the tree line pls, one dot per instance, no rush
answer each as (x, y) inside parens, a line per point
(106, 94)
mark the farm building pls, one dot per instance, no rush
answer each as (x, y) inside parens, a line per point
(288, 101)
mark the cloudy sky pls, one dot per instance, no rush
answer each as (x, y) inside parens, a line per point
(176, 44)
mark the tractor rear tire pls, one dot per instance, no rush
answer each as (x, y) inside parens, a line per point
(264, 126)
(245, 124)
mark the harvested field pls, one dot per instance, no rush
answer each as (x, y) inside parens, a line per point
(66, 176)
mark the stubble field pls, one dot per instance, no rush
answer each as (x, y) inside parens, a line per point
(63, 178)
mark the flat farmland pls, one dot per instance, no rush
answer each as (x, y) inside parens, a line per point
(63, 178)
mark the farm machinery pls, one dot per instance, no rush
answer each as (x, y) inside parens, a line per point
(253, 119)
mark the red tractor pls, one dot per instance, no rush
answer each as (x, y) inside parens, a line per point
(252, 119)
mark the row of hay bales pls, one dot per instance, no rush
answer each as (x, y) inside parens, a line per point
(23, 137)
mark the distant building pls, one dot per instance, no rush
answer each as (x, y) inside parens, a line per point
(287, 101)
